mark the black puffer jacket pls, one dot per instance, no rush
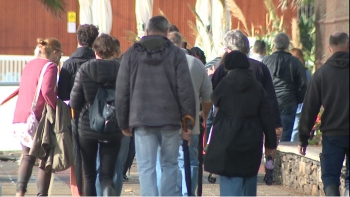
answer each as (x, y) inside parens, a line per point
(70, 69)
(92, 74)
(289, 78)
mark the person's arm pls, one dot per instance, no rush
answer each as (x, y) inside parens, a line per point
(266, 122)
(185, 91)
(77, 98)
(64, 85)
(122, 101)
(271, 94)
(48, 86)
(205, 92)
(311, 107)
(301, 81)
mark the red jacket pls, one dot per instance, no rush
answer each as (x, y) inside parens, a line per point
(27, 87)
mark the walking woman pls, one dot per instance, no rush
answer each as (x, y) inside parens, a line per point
(235, 149)
(50, 55)
(100, 72)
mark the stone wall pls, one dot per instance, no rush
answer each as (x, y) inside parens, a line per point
(301, 173)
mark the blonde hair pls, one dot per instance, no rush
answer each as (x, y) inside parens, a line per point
(49, 45)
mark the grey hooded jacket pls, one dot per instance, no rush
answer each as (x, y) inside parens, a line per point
(154, 87)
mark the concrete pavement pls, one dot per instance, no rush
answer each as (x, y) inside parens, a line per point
(8, 178)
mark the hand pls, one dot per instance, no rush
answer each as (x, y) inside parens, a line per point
(279, 132)
(187, 136)
(127, 132)
(270, 152)
(302, 150)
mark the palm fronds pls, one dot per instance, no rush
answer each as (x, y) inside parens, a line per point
(131, 36)
(196, 14)
(55, 7)
(285, 4)
(237, 13)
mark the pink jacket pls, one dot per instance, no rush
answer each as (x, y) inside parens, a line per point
(27, 87)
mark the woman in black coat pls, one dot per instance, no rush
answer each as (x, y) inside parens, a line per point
(243, 118)
(100, 72)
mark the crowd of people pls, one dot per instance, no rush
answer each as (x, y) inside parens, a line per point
(164, 102)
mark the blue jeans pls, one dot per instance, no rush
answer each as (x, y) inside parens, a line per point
(118, 171)
(146, 143)
(238, 186)
(287, 119)
(334, 150)
(193, 152)
(295, 133)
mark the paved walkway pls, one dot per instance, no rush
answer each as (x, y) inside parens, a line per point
(8, 178)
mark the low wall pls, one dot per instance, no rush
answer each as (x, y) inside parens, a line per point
(301, 173)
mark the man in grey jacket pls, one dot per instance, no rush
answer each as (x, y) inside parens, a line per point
(202, 89)
(153, 92)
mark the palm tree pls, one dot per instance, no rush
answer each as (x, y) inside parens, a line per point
(284, 4)
(55, 7)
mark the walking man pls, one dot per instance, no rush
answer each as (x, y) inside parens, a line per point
(329, 87)
(153, 91)
(202, 89)
(289, 80)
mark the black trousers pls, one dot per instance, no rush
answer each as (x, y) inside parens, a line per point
(108, 158)
(25, 172)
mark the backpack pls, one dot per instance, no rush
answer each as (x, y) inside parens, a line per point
(102, 112)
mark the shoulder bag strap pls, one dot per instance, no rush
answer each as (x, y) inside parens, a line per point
(38, 87)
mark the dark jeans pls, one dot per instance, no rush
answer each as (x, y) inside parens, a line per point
(25, 172)
(334, 150)
(287, 119)
(108, 154)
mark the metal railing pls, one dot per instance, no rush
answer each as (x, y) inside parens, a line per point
(11, 67)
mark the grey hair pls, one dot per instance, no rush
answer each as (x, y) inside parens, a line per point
(281, 41)
(175, 37)
(236, 40)
(158, 24)
(339, 38)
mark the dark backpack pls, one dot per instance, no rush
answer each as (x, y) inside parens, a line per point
(102, 113)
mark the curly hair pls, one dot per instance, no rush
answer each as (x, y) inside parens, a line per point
(104, 46)
(87, 34)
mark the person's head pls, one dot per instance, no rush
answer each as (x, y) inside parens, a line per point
(199, 54)
(86, 35)
(236, 40)
(51, 49)
(175, 38)
(158, 25)
(104, 47)
(281, 42)
(236, 60)
(259, 47)
(338, 41)
(117, 45)
(173, 28)
(298, 54)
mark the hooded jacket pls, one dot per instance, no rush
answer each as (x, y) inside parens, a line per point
(154, 87)
(69, 70)
(289, 78)
(243, 118)
(329, 87)
(90, 76)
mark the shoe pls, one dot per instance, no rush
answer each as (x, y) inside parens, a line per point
(125, 178)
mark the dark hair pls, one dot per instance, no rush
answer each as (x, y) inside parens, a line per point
(259, 47)
(49, 45)
(222, 60)
(158, 24)
(298, 54)
(117, 45)
(87, 34)
(339, 38)
(173, 28)
(104, 46)
(197, 52)
(281, 41)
